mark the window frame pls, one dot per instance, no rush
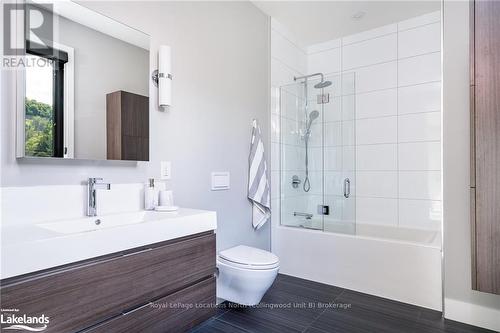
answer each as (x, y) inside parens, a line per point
(63, 99)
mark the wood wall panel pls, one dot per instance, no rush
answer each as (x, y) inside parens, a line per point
(486, 153)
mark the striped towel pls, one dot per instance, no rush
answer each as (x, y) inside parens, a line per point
(258, 185)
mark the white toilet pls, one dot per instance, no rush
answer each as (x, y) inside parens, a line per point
(245, 274)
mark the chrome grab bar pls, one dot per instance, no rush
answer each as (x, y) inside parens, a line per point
(306, 215)
(347, 188)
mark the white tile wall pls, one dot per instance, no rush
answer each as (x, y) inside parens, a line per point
(332, 158)
(377, 104)
(376, 130)
(332, 134)
(287, 60)
(275, 184)
(286, 51)
(348, 158)
(348, 107)
(369, 34)
(275, 156)
(348, 132)
(419, 156)
(419, 69)
(370, 52)
(419, 98)
(422, 214)
(275, 127)
(378, 184)
(289, 106)
(320, 47)
(390, 85)
(420, 21)
(420, 127)
(420, 185)
(333, 110)
(281, 73)
(325, 62)
(292, 157)
(421, 40)
(377, 157)
(377, 77)
(377, 211)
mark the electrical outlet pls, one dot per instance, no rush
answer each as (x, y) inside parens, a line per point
(165, 170)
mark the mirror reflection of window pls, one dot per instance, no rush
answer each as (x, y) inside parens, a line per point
(44, 122)
(39, 118)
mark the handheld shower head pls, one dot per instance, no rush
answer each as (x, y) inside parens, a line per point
(312, 116)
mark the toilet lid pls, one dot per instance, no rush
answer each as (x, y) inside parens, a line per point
(247, 255)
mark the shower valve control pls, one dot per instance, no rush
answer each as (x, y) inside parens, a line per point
(323, 98)
(295, 181)
(323, 210)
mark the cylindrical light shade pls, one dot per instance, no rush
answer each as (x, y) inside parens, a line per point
(165, 76)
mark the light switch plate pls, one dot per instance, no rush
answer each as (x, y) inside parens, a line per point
(220, 181)
(165, 170)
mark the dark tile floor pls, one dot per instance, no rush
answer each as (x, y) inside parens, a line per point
(297, 305)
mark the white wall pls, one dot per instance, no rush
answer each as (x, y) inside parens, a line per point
(221, 73)
(103, 64)
(461, 302)
(397, 85)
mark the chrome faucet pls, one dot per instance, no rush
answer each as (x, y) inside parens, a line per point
(94, 184)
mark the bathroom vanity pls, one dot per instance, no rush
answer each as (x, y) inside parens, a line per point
(132, 282)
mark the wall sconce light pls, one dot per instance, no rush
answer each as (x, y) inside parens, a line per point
(162, 77)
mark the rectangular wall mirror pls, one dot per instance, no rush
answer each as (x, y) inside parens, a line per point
(84, 91)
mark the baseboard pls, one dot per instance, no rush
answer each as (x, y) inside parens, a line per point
(472, 314)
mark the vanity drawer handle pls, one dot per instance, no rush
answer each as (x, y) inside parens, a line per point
(136, 309)
(137, 252)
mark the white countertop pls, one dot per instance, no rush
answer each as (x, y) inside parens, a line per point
(30, 248)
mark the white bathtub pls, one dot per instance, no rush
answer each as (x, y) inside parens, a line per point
(397, 263)
(409, 235)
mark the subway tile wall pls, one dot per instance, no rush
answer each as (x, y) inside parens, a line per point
(288, 59)
(397, 119)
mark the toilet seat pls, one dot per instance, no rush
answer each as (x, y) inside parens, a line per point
(247, 266)
(248, 258)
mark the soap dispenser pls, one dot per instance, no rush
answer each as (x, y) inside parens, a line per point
(149, 195)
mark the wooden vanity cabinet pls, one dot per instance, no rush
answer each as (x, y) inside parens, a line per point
(485, 144)
(132, 291)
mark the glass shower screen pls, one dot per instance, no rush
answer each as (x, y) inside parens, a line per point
(317, 154)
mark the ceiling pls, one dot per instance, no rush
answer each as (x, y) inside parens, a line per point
(319, 21)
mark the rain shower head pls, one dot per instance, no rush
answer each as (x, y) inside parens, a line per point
(319, 85)
(322, 84)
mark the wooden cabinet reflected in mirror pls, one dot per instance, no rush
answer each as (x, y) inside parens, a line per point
(127, 126)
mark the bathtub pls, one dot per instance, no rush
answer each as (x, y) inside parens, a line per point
(401, 234)
(397, 263)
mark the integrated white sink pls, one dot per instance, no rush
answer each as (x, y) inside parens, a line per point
(100, 222)
(30, 248)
